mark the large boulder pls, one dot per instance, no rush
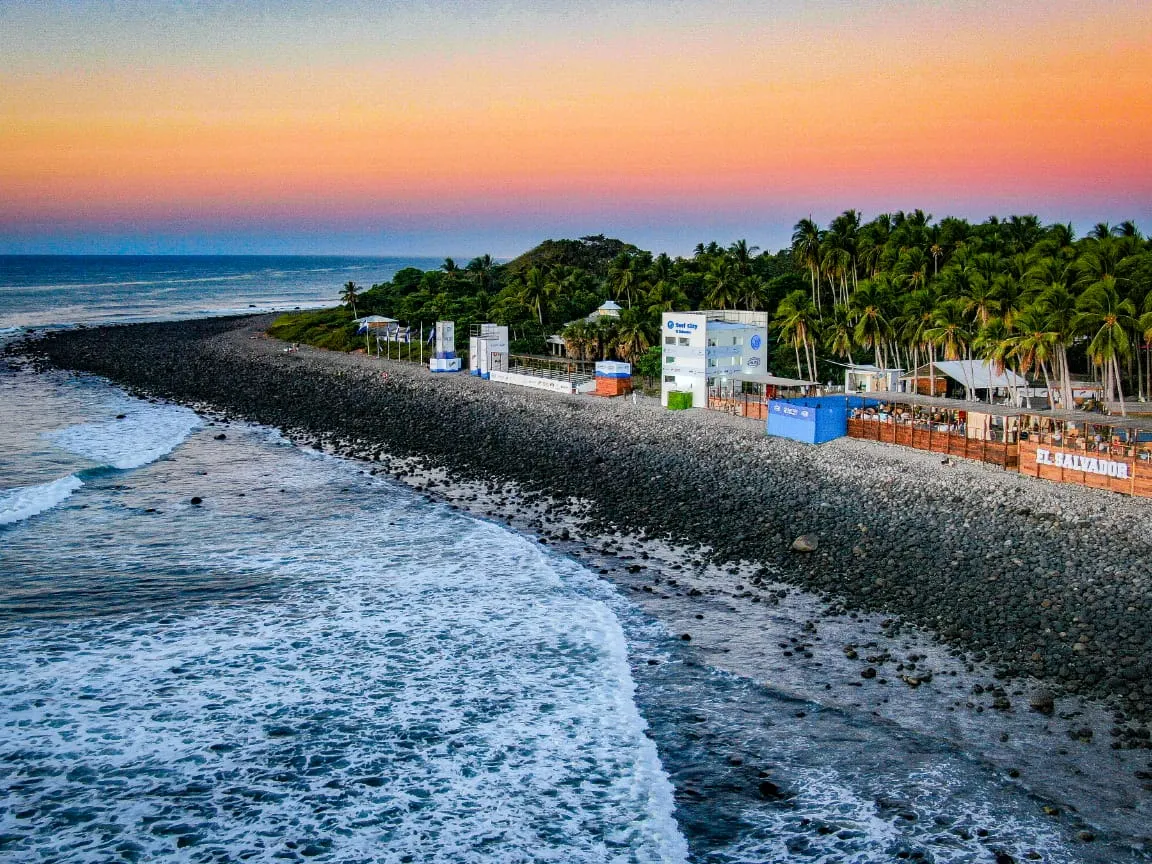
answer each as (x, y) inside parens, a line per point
(805, 543)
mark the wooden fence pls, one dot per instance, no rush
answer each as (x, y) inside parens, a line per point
(1007, 456)
(742, 405)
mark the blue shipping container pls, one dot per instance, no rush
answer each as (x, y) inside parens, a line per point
(814, 419)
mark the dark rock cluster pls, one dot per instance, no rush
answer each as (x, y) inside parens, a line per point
(1044, 580)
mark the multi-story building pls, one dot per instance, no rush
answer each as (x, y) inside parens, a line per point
(700, 348)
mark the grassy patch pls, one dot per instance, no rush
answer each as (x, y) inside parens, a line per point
(333, 329)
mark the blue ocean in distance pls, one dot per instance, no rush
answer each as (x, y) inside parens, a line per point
(58, 290)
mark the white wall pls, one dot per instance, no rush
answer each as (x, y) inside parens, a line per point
(532, 381)
(683, 361)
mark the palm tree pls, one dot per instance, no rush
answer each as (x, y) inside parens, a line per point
(633, 335)
(1034, 343)
(918, 318)
(723, 284)
(665, 296)
(952, 333)
(797, 319)
(1107, 320)
(1059, 309)
(742, 254)
(1144, 328)
(993, 343)
(912, 270)
(481, 269)
(980, 301)
(449, 266)
(578, 338)
(348, 297)
(838, 328)
(537, 291)
(621, 276)
(806, 241)
(873, 329)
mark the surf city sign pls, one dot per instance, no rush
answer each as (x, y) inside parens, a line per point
(1077, 462)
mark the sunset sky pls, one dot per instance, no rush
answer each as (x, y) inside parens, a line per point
(467, 127)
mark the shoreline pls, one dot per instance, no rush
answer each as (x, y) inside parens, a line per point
(761, 619)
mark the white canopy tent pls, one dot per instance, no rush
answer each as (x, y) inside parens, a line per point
(973, 375)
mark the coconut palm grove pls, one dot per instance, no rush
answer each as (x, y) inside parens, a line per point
(898, 290)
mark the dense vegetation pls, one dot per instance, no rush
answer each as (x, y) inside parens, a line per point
(898, 291)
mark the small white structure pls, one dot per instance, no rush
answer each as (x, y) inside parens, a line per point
(607, 309)
(369, 322)
(701, 347)
(487, 349)
(870, 379)
(445, 359)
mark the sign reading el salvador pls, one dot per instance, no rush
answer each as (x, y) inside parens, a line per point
(1079, 462)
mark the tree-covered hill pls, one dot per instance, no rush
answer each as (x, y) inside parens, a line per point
(594, 253)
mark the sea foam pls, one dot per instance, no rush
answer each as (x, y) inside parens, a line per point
(24, 502)
(143, 436)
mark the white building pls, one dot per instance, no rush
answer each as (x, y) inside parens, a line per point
(701, 348)
(865, 378)
(487, 349)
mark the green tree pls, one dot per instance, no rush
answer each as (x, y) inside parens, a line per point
(723, 284)
(873, 328)
(634, 335)
(797, 321)
(348, 297)
(1106, 318)
(952, 334)
(807, 239)
(536, 291)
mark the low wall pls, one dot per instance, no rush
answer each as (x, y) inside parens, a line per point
(949, 443)
(534, 381)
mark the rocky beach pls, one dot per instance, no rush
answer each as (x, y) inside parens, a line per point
(968, 605)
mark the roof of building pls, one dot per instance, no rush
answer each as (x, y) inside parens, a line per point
(1087, 417)
(866, 367)
(609, 306)
(977, 374)
(375, 319)
(728, 325)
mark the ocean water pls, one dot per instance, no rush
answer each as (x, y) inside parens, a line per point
(55, 290)
(314, 663)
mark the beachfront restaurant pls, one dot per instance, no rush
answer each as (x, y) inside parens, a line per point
(1087, 449)
(747, 394)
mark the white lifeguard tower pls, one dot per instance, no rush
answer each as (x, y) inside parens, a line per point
(445, 359)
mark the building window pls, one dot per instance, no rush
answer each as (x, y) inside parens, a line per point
(669, 359)
(712, 362)
(711, 341)
(683, 340)
(669, 340)
(669, 379)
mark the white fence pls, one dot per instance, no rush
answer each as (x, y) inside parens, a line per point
(556, 385)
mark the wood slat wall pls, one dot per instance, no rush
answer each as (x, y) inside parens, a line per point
(948, 443)
(1138, 482)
